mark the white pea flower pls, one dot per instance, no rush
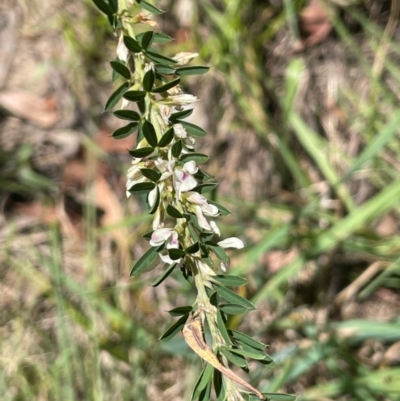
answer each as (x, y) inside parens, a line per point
(179, 100)
(168, 236)
(184, 58)
(122, 50)
(183, 178)
(232, 242)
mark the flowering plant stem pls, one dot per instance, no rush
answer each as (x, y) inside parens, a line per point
(166, 169)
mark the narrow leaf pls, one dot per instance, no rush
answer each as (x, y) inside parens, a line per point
(167, 86)
(237, 360)
(229, 280)
(195, 70)
(104, 7)
(177, 148)
(173, 330)
(256, 354)
(166, 138)
(159, 58)
(163, 276)
(148, 80)
(176, 254)
(164, 69)
(232, 309)
(121, 69)
(180, 310)
(142, 152)
(157, 37)
(175, 117)
(134, 96)
(199, 158)
(231, 296)
(248, 340)
(218, 250)
(151, 174)
(132, 44)
(116, 96)
(127, 115)
(222, 327)
(147, 262)
(125, 131)
(192, 129)
(147, 39)
(204, 379)
(192, 248)
(279, 397)
(141, 188)
(149, 133)
(149, 7)
(173, 212)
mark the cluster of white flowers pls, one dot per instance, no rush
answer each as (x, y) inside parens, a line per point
(176, 185)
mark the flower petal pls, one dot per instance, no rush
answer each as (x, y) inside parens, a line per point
(232, 242)
(160, 235)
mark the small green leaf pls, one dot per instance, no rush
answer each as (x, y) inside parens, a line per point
(157, 37)
(116, 96)
(232, 297)
(132, 44)
(205, 395)
(248, 340)
(173, 212)
(104, 7)
(159, 58)
(127, 115)
(114, 5)
(204, 379)
(148, 80)
(167, 86)
(142, 188)
(142, 152)
(256, 354)
(199, 158)
(206, 187)
(166, 138)
(163, 276)
(192, 248)
(279, 397)
(149, 133)
(151, 174)
(175, 117)
(232, 309)
(164, 69)
(192, 129)
(177, 148)
(125, 131)
(134, 96)
(218, 250)
(121, 69)
(219, 386)
(173, 330)
(156, 201)
(195, 70)
(180, 310)
(222, 327)
(149, 7)
(147, 262)
(176, 254)
(229, 280)
(237, 360)
(222, 210)
(146, 39)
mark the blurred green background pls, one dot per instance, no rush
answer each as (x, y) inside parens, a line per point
(302, 109)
